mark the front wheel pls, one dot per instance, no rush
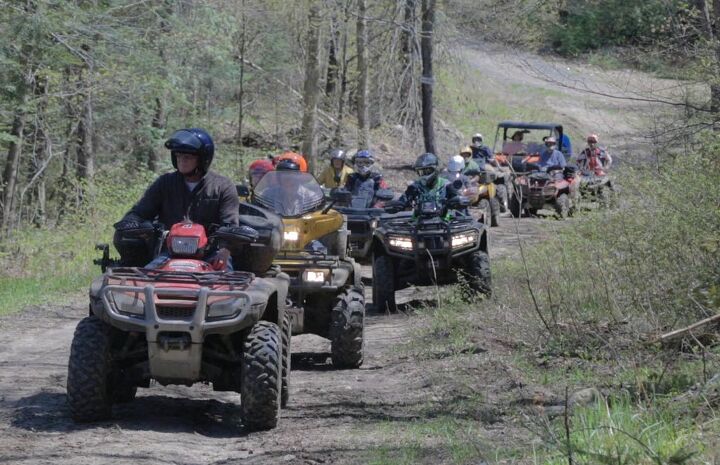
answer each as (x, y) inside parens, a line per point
(501, 193)
(286, 334)
(478, 271)
(346, 329)
(562, 206)
(89, 393)
(261, 377)
(494, 211)
(383, 283)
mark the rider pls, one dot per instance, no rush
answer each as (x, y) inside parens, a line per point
(454, 170)
(257, 170)
(481, 153)
(551, 156)
(429, 182)
(337, 173)
(471, 167)
(515, 144)
(365, 180)
(293, 156)
(192, 192)
(594, 158)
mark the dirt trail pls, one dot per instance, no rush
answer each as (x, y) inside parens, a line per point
(333, 416)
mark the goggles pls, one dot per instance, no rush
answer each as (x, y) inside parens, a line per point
(425, 171)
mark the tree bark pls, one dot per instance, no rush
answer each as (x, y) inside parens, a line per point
(427, 80)
(85, 154)
(362, 68)
(407, 51)
(311, 89)
(337, 140)
(12, 164)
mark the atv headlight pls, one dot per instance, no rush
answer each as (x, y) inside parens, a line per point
(128, 303)
(401, 242)
(184, 245)
(226, 308)
(314, 276)
(464, 239)
(291, 236)
(373, 224)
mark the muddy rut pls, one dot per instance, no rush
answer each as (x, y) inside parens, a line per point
(333, 416)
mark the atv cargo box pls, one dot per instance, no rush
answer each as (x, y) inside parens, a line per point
(258, 256)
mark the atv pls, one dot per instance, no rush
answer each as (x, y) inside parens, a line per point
(362, 219)
(504, 148)
(324, 281)
(433, 243)
(182, 320)
(534, 189)
(595, 185)
(481, 191)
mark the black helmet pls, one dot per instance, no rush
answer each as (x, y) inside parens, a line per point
(195, 141)
(337, 154)
(426, 166)
(287, 165)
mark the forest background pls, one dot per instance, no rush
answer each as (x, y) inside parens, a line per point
(90, 90)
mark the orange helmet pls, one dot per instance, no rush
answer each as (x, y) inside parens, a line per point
(257, 170)
(294, 157)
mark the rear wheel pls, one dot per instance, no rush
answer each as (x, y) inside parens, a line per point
(286, 334)
(501, 193)
(346, 329)
(478, 271)
(89, 371)
(261, 377)
(494, 211)
(383, 283)
(562, 206)
(515, 207)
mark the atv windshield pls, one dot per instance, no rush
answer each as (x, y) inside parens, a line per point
(289, 193)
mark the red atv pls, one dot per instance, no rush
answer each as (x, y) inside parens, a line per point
(533, 189)
(182, 321)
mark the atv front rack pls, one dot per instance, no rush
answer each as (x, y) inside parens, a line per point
(149, 275)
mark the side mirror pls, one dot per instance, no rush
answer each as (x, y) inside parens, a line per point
(242, 190)
(384, 194)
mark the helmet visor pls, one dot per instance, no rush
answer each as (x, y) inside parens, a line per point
(425, 171)
(184, 141)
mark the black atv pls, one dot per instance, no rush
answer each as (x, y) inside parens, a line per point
(433, 243)
(362, 219)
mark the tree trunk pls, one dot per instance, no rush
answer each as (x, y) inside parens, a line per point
(85, 155)
(407, 53)
(427, 80)
(311, 89)
(333, 65)
(158, 124)
(337, 141)
(12, 164)
(362, 93)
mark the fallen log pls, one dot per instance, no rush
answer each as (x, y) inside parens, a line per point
(687, 329)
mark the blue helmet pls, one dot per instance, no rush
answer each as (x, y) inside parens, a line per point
(363, 154)
(195, 141)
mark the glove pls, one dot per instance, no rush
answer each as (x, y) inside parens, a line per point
(130, 224)
(126, 225)
(220, 260)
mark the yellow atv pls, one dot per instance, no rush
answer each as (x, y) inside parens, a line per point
(323, 279)
(481, 191)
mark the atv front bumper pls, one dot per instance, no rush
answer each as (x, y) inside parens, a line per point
(175, 333)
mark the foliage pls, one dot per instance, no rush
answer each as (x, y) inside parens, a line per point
(588, 25)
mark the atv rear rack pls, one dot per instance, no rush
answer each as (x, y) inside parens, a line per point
(149, 275)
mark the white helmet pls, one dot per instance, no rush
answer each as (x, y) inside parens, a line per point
(456, 164)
